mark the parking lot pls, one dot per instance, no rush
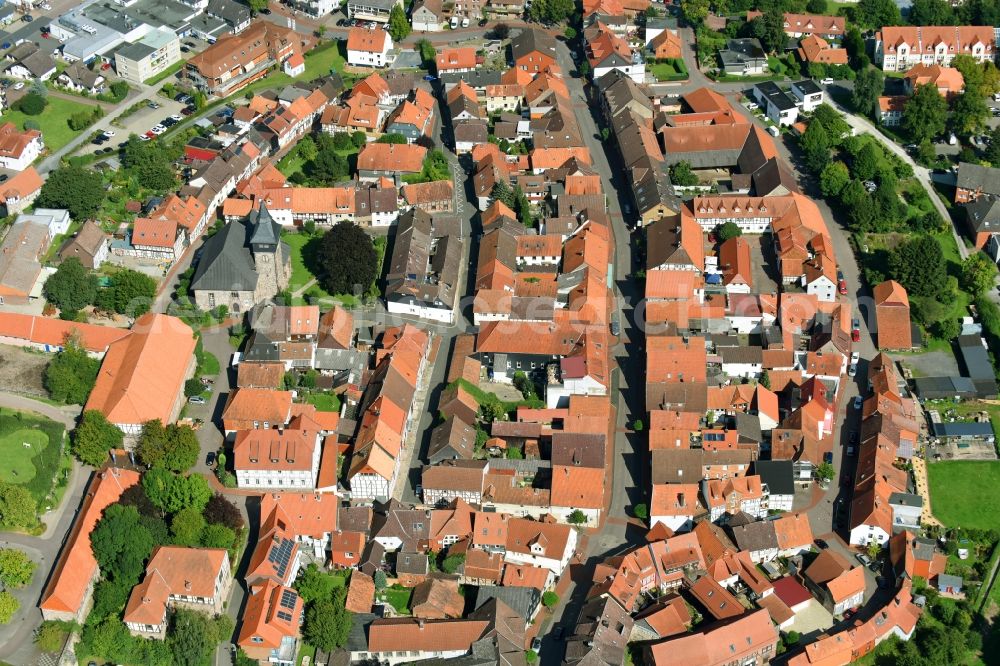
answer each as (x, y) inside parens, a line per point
(139, 123)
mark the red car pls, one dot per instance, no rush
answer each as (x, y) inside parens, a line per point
(842, 287)
(150, 135)
(856, 335)
(106, 66)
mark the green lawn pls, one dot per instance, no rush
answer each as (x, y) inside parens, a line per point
(208, 365)
(54, 121)
(169, 71)
(319, 62)
(960, 489)
(302, 246)
(398, 598)
(34, 466)
(16, 451)
(324, 402)
(668, 71)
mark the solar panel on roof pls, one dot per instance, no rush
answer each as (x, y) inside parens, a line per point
(287, 617)
(288, 598)
(280, 555)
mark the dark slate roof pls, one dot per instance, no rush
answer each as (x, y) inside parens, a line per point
(984, 214)
(755, 536)
(976, 177)
(974, 357)
(972, 429)
(807, 86)
(532, 39)
(940, 387)
(452, 439)
(777, 474)
(265, 231)
(522, 600)
(477, 78)
(226, 261)
(412, 563)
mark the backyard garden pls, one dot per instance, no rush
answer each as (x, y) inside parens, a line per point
(31, 457)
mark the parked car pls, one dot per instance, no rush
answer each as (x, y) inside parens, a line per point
(850, 450)
(828, 457)
(863, 558)
(842, 287)
(615, 327)
(852, 370)
(196, 400)
(153, 105)
(827, 81)
(185, 49)
(265, 11)
(109, 133)
(158, 130)
(28, 18)
(854, 437)
(536, 644)
(821, 543)
(18, 85)
(858, 402)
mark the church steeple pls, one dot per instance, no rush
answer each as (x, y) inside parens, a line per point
(264, 232)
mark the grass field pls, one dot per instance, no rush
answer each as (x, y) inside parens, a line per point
(34, 467)
(324, 402)
(16, 451)
(960, 489)
(54, 121)
(399, 598)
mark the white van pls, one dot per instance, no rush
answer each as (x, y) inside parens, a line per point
(465, 22)
(773, 129)
(454, 22)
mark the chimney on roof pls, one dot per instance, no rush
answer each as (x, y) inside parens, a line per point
(420, 622)
(187, 585)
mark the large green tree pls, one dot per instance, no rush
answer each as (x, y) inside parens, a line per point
(193, 638)
(328, 622)
(815, 145)
(868, 88)
(8, 606)
(992, 154)
(149, 162)
(346, 259)
(931, 12)
(71, 374)
(866, 163)
(925, 113)
(78, 190)
(875, 14)
(71, 288)
(836, 127)
(969, 112)
(17, 507)
(173, 447)
(121, 544)
(94, 437)
(171, 492)
(313, 584)
(695, 11)
(399, 27)
(770, 29)
(16, 568)
(187, 526)
(978, 273)
(918, 264)
(834, 178)
(130, 293)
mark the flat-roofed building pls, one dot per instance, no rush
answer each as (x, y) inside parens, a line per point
(148, 57)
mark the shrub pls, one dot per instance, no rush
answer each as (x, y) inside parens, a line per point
(640, 511)
(32, 104)
(550, 599)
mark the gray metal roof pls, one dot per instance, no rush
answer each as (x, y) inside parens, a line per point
(971, 429)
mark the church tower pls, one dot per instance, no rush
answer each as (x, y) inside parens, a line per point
(273, 270)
